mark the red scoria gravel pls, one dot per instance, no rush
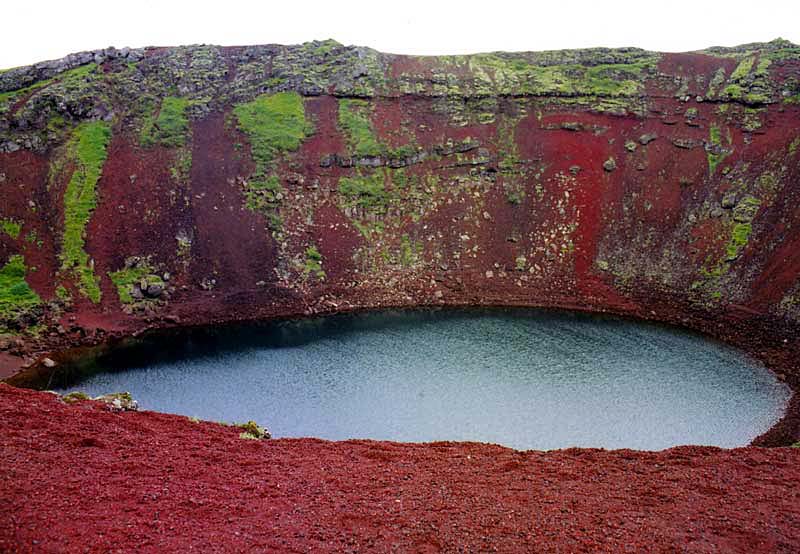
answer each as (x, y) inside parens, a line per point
(80, 478)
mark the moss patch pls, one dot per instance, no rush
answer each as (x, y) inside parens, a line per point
(11, 227)
(313, 263)
(16, 296)
(137, 273)
(171, 125)
(89, 150)
(275, 124)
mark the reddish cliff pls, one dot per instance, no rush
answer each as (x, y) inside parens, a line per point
(195, 185)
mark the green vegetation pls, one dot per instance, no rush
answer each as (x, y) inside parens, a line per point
(89, 150)
(135, 274)
(749, 82)
(739, 237)
(16, 296)
(794, 146)
(75, 396)
(170, 127)
(275, 124)
(313, 263)
(792, 99)
(354, 120)
(409, 251)
(11, 227)
(70, 78)
(251, 430)
(63, 294)
(716, 154)
(365, 191)
(504, 74)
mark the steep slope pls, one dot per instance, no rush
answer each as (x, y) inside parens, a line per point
(159, 187)
(164, 186)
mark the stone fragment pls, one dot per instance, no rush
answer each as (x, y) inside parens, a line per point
(610, 164)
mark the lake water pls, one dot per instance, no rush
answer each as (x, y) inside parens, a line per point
(522, 378)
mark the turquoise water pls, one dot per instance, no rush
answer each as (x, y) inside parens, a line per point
(524, 379)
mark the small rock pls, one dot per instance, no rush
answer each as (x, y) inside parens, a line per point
(716, 211)
(47, 362)
(729, 200)
(610, 164)
(647, 138)
(574, 169)
(489, 274)
(154, 290)
(630, 146)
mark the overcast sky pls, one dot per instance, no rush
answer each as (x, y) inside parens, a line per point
(36, 30)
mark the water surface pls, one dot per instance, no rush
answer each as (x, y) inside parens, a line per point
(521, 378)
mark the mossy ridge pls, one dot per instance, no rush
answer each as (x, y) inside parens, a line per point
(749, 82)
(320, 66)
(70, 78)
(276, 124)
(512, 75)
(16, 296)
(88, 148)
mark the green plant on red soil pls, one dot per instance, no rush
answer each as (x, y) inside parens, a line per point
(127, 278)
(11, 227)
(313, 263)
(170, 127)
(16, 296)
(88, 149)
(354, 120)
(275, 124)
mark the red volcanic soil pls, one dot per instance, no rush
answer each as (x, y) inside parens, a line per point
(150, 482)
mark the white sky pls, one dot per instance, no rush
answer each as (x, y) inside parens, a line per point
(36, 30)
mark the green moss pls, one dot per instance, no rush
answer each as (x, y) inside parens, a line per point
(409, 251)
(63, 294)
(794, 146)
(70, 78)
(313, 263)
(170, 127)
(181, 169)
(89, 149)
(508, 74)
(365, 191)
(792, 99)
(749, 82)
(75, 396)
(740, 235)
(354, 121)
(132, 275)
(16, 296)
(716, 154)
(251, 430)
(275, 124)
(11, 227)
